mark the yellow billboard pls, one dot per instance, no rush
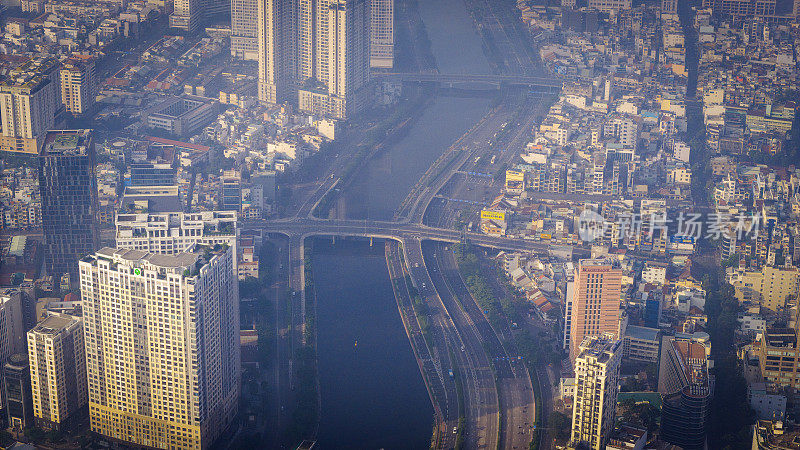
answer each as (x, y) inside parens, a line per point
(493, 215)
(515, 175)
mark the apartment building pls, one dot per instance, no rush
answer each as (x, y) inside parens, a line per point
(12, 332)
(382, 34)
(244, 29)
(322, 59)
(595, 301)
(162, 345)
(596, 380)
(58, 371)
(30, 104)
(78, 85)
(609, 6)
(174, 232)
(770, 287)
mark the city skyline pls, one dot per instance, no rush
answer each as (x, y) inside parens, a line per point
(399, 224)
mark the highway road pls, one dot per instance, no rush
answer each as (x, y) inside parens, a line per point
(441, 388)
(513, 382)
(432, 354)
(393, 230)
(482, 408)
(282, 375)
(478, 402)
(514, 389)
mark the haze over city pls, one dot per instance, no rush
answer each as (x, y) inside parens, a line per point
(399, 224)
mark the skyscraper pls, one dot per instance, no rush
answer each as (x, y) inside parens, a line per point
(596, 300)
(12, 337)
(78, 85)
(596, 378)
(382, 34)
(683, 381)
(277, 36)
(30, 104)
(317, 52)
(244, 29)
(68, 186)
(189, 14)
(58, 371)
(162, 345)
(669, 6)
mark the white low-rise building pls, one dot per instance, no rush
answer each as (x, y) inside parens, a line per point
(175, 232)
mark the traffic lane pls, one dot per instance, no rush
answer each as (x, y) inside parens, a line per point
(473, 351)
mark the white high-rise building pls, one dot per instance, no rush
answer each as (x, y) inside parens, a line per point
(342, 60)
(244, 29)
(382, 34)
(189, 14)
(162, 345)
(317, 52)
(669, 6)
(58, 370)
(569, 296)
(596, 379)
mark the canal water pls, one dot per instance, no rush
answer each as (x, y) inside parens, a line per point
(390, 176)
(372, 393)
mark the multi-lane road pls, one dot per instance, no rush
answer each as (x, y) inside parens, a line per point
(393, 230)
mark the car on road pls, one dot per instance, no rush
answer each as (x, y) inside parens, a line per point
(455, 430)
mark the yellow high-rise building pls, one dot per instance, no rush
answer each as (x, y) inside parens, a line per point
(162, 345)
(596, 380)
(78, 85)
(770, 287)
(30, 104)
(58, 371)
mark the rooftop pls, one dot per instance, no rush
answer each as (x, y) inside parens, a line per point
(643, 333)
(600, 347)
(692, 358)
(781, 337)
(53, 324)
(151, 199)
(66, 143)
(167, 261)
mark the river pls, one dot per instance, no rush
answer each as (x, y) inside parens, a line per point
(372, 393)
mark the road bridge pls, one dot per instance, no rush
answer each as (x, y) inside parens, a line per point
(398, 231)
(540, 84)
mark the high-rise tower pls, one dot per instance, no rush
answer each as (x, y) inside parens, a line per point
(382, 34)
(58, 371)
(162, 345)
(596, 379)
(595, 303)
(68, 186)
(244, 29)
(316, 52)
